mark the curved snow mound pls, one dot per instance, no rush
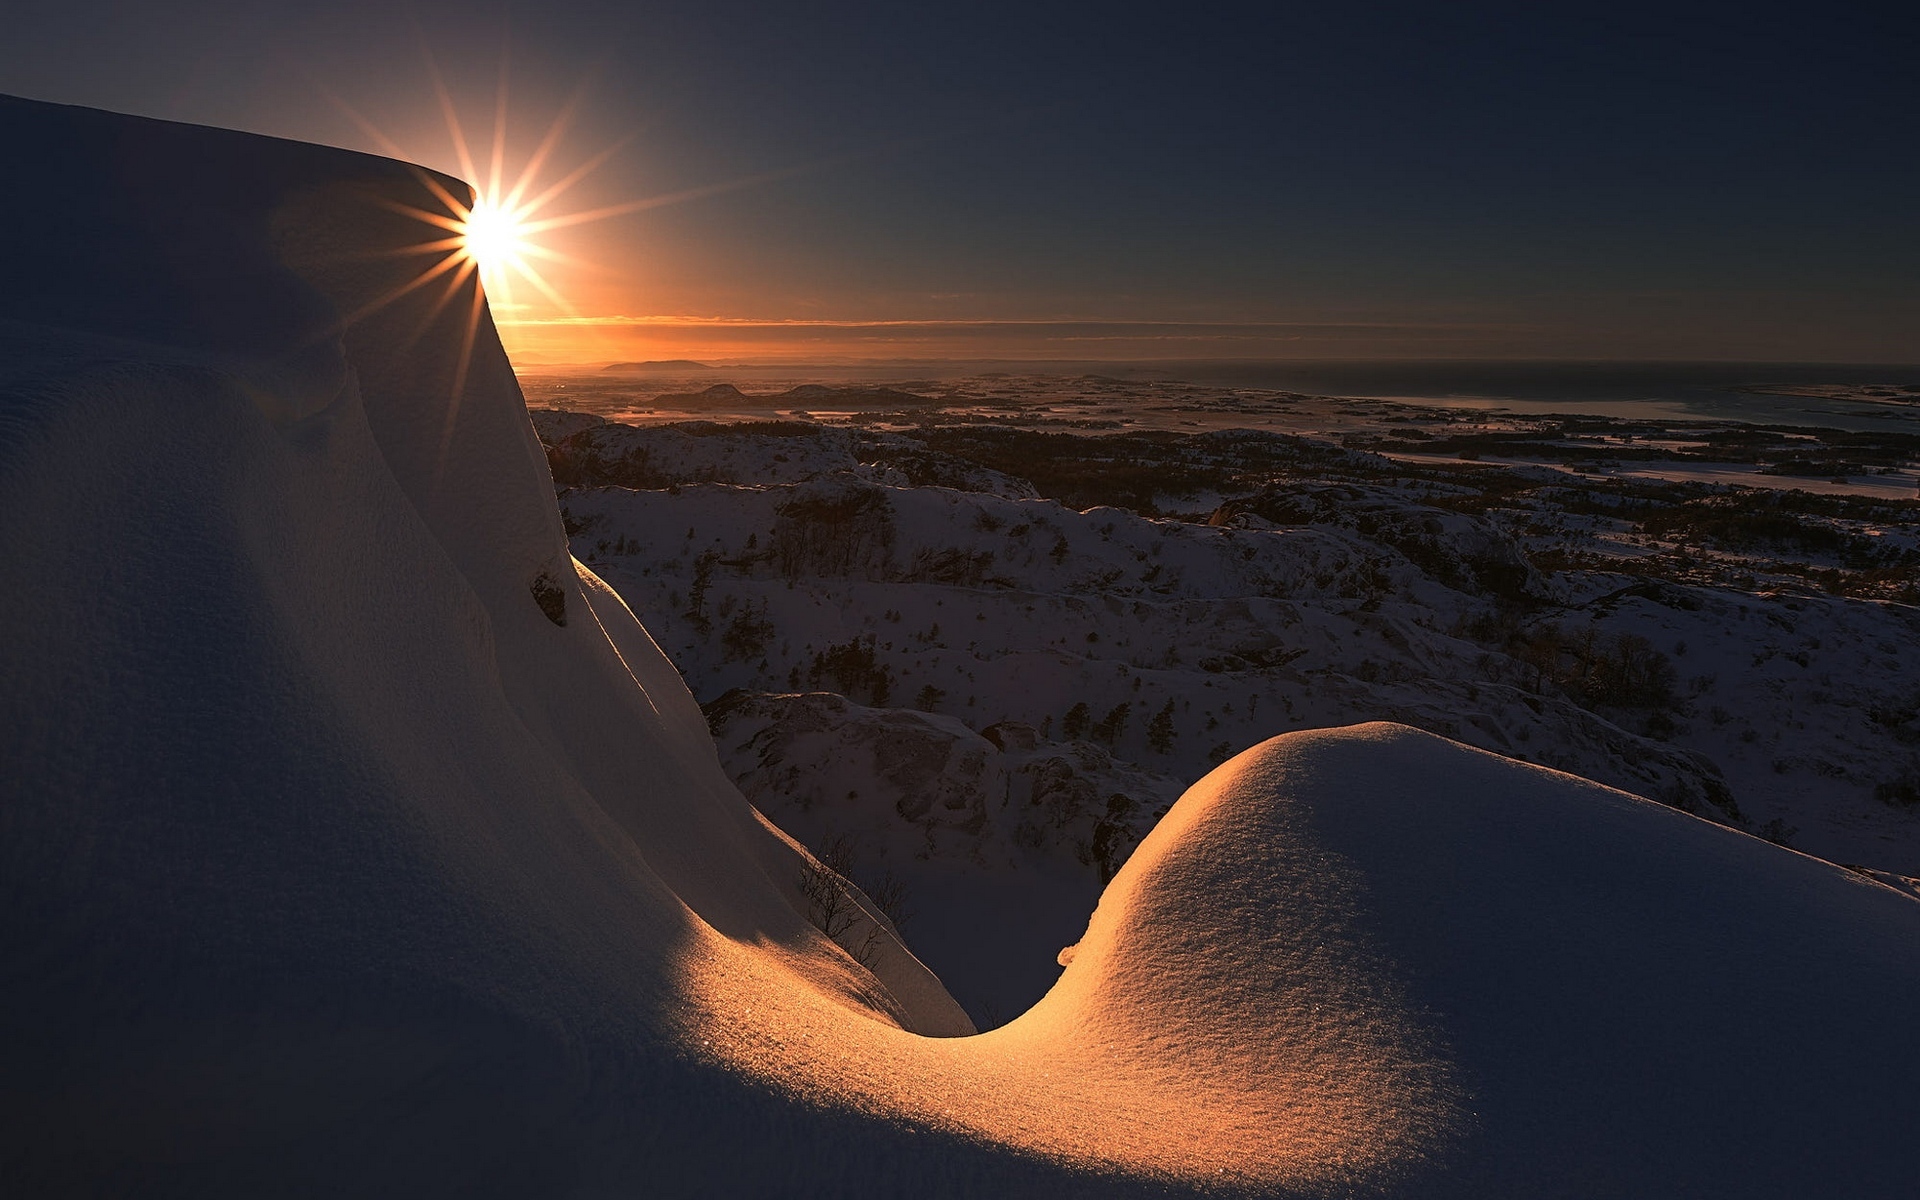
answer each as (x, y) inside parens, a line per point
(354, 840)
(1628, 1000)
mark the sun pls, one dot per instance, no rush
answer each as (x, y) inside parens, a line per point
(496, 238)
(493, 226)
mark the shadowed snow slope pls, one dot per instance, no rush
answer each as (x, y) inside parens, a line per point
(356, 841)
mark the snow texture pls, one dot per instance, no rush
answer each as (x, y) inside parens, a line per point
(356, 841)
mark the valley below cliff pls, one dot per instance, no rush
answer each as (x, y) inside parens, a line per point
(977, 656)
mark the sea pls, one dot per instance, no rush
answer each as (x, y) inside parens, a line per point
(1652, 390)
(1704, 391)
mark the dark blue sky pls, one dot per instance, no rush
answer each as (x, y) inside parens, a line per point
(1537, 180)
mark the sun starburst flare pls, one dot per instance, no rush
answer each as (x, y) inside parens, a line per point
(496, 236)
(493, 227)
(496, 230)
(495, 233)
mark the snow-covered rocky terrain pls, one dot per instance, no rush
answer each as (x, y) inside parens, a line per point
(358, 840)
(835, 594)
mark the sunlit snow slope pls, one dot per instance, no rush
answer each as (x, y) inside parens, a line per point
(357, 842)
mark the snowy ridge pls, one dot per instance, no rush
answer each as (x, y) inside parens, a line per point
(356, 840)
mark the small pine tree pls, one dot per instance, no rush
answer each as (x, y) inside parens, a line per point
(1160, 730)
(697, 594)
(1074, 724)
(1113, 724)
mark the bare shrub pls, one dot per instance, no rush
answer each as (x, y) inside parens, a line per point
(831, 906)
(833, 532)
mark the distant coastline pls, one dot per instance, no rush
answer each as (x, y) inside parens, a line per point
(1883, 397)
(656, 366)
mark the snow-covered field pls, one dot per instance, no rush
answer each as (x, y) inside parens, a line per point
(357, 840)
(1081, 667)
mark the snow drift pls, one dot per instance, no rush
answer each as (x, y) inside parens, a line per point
(357, 841)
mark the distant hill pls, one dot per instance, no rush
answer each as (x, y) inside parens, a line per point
(656, 366)
(807, 395)
(720, 395)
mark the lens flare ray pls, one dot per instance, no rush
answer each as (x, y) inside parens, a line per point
(483, 243)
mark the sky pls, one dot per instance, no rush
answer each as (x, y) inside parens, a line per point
(1112, 181)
